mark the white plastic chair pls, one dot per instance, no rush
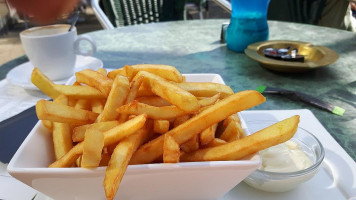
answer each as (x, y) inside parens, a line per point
(101, 16)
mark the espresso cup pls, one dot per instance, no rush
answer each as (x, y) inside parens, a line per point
(53, 49)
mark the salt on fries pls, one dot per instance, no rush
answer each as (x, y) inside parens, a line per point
(148, 113)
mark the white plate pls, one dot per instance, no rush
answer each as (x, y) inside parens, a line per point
(335, 180)
(21, 75)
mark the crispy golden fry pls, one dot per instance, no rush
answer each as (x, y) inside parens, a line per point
(79, 131)
(43, 83)
(97, 106)
(265, 138)
(92, 147)
(76, 83)
(72, 102)
(95, 79)
(173, 94)
(117, 97)
(79, 92)
(159, 113)
(119, 161)
(231, 132)
(78, 162)
(180, 120)
(134, 86)
(219, 111)
(102, 71)
(209, 100)
(208, 135)
(153, 101)
(171, 150)
(215, 142)
(160, 126)
(228, 136)
(47, 110)
(48, 124)
(191, 145)
(62, 140)
(165, 71)
(61, 135)
(145, 92)
(111, 136)
(112, 74)
(105, 158)
(83, 104)
(206, 89)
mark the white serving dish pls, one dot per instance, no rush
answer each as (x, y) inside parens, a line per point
(196, 180)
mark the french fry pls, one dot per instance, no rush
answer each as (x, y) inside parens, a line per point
(61, 135)
(231, 132)
(48, 124)
(206, 89)
(92, 147)
(117, 97)
(47, 110)
(265, 138)
(180, 120)
(79, 131)
(42, 82)
(173, 94)
(134, 86)
(160, 126)
(105, 158)
(219, 111)
(97, 106)
(215, 142)
(159, 113)
(62, 140)
(238, 132)
(78, 162)
(83, 104)
(208, 135)
(95, 79)
(119, 161)
(153, 101)
(209, 100)
(111, 136)
(102, 71)
(171, 150)
(79, 91)
(167, 72)
(191, 145)
(145, 91)
(112, 74)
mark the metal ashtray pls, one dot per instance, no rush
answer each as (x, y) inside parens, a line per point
(314, 56)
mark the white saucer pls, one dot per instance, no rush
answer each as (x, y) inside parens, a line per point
(21, 74)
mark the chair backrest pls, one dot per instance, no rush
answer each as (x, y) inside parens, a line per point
(300, 11)
(131, 12)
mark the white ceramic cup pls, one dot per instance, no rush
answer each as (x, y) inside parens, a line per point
(53, 49)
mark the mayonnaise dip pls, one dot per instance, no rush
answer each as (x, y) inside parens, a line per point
(285, 157)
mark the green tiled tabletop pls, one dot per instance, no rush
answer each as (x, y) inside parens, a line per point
(194, 47)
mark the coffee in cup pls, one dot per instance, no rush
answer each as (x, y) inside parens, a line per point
(53, 49)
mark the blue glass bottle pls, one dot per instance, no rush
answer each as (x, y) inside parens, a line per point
(248, 24)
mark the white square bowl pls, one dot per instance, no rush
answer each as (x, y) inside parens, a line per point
(182, 181)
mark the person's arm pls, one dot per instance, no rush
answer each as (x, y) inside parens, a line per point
(43, 11)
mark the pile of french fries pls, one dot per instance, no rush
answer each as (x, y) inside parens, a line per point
(146, 113)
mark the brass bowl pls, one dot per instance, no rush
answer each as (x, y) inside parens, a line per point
(315, 56)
